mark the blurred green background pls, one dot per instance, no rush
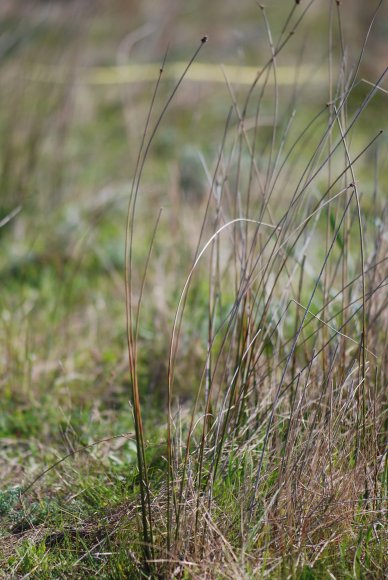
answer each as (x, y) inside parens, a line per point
(71, 121)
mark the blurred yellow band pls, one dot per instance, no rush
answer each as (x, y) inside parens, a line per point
(198, 72)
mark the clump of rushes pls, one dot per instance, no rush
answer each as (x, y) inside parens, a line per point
(278, 466)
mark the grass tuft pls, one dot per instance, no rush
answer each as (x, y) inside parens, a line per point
(222, 412)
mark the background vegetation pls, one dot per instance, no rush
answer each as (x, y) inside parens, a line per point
(232, 421)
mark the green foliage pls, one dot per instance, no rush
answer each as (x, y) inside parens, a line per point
(8, 498)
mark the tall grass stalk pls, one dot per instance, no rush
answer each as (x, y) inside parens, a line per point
(132, 329)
